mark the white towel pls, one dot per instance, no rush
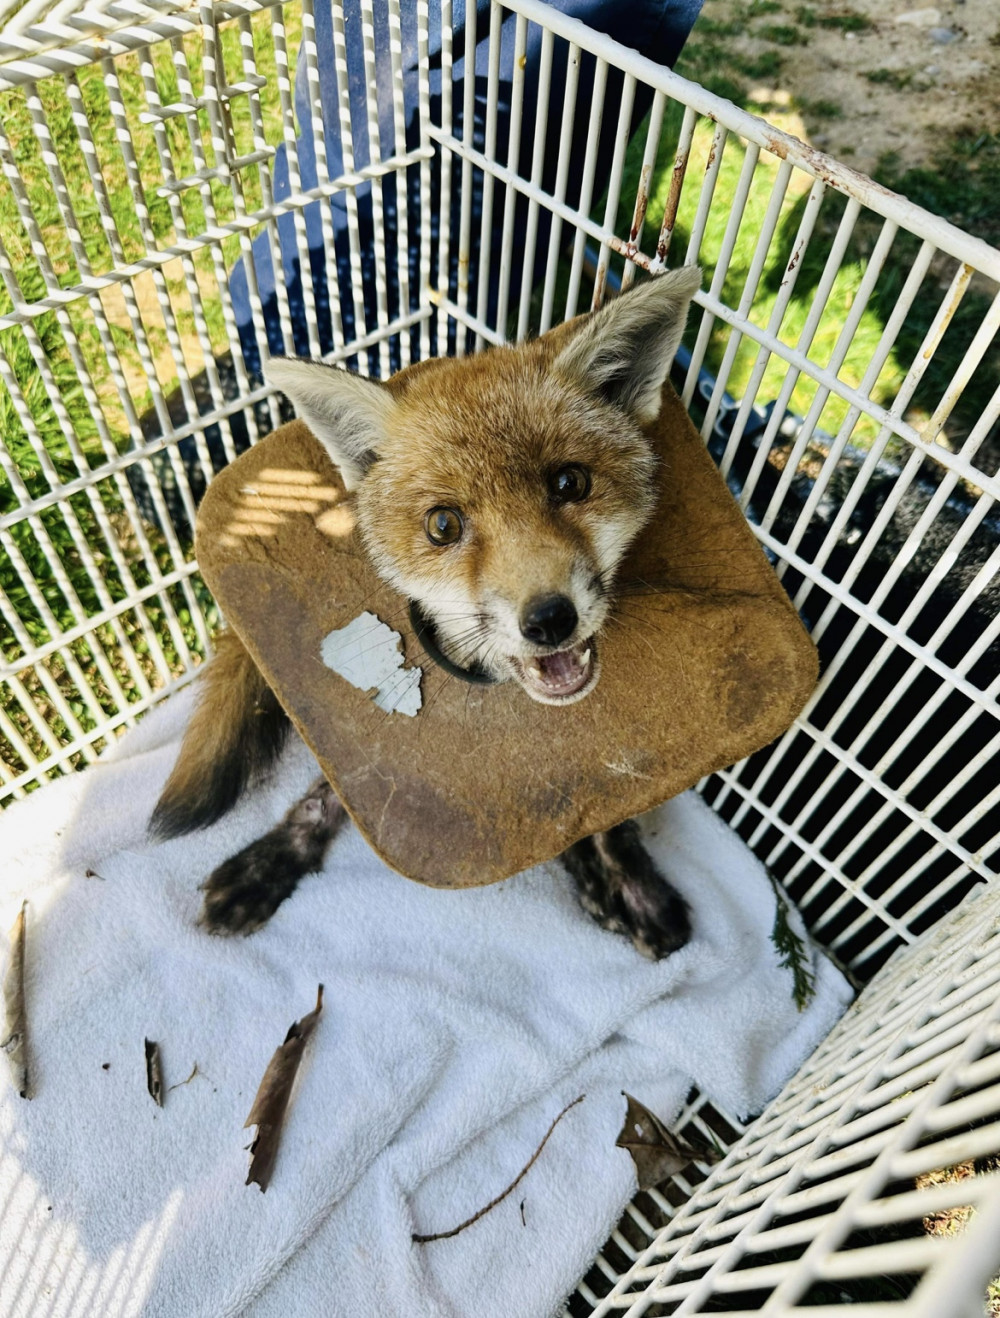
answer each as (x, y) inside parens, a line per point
(455, 1027)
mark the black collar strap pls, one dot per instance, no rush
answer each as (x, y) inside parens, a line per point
(427, 636)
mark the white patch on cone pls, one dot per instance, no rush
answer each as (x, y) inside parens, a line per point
(369, 654)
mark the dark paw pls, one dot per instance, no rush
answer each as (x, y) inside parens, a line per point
(619, 885)
(242, 895)
(246, 890)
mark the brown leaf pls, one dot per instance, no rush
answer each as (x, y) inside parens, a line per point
(268, 1111)
(15, 1042)
(657, 1153)
(154, 1072)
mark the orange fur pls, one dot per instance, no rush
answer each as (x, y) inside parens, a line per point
(479, 435)
(235, 734)
(485, 436)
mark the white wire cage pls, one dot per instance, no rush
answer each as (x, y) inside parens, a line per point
(187, 189)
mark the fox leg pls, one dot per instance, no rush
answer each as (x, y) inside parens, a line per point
(236, 737)
(620, 886)
(246, 890)
(233, 741)
(617, 881)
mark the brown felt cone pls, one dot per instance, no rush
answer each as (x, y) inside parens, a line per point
(704, 662)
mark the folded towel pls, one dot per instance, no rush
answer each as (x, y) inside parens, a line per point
(455, 1027)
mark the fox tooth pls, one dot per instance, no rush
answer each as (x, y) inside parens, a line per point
(585, 657)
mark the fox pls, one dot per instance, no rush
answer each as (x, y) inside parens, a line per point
(498, 493)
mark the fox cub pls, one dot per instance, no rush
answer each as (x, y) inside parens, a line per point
(499, 493)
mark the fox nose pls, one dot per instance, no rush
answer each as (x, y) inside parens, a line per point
(548, 619)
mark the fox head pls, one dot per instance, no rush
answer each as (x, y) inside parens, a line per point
(500, 492)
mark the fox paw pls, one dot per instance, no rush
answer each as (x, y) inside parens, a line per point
(620, 886)
(246, 890)
(239, 898)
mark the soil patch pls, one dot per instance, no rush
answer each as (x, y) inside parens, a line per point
(877, 83)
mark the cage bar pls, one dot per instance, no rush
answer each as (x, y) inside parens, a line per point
(130, 374)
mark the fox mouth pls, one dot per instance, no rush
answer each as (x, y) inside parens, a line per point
(562, 676)
(558, 678)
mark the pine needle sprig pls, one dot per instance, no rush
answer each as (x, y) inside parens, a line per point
(793, 951)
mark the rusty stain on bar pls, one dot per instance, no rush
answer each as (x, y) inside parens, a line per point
(630, 253)
(673, 201)
(641, 205)
(600, 280)
(822, 166)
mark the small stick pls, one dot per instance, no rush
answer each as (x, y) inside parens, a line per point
(15, 1043)
(194, 1072)
(445, 1235)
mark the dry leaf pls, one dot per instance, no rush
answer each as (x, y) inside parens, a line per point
(15, 1042)
(154, 1072)
(268, 1111)
(657, 1153)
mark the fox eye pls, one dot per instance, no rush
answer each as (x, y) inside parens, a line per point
(444, 526)
(569, 484)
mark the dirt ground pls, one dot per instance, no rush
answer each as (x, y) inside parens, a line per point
(868, 78)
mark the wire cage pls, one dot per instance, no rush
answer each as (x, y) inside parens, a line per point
(188, 188)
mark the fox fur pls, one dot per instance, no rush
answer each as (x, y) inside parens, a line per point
(235, 736)
(499, 493)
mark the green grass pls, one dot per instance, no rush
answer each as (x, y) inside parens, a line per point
(818, 109)
(846, 20)
(731, 27)
(961, 183)
(693, 63)
(32, 419)
(898, 79)
(707, 62)
(765, 64)
(782, 34)
(166, 223)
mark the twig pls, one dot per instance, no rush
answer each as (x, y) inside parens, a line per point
(15, 1041)
(194, 1072)
(445, 1235)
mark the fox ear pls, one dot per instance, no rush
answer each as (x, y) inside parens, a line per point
(623, 352)
(347, 413)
